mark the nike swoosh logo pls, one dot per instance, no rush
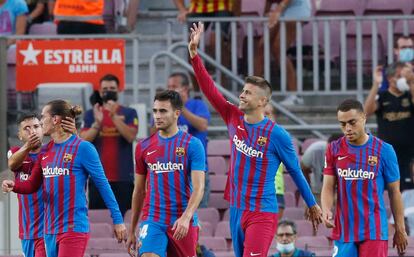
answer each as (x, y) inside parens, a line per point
(342, 157)
(44, 158)
(149, 153)
(240, 127)
(255, 254)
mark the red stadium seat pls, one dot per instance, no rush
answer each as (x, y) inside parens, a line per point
(217, 201)
(46, 28)
(218, 147)
(218, 183)
(206, 229)
(226, 215)
(104, 245)
(101, 230)
(304, 228)
(290, 200)
(100, 216)
(210, 215)
(311, 241)
(223, 230)
(294, 213)
(217, 165)
(214, 243)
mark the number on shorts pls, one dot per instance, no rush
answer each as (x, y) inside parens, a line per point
(143, 232)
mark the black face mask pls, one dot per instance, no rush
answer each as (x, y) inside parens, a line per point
(110, 95)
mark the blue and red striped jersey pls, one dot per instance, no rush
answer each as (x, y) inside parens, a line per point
(362, 172)
(64, 169)
(256, 153)
(30, 206)
(168, 163)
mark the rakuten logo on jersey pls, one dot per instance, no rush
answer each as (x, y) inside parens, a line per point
(23, 176)
(349, 174)
(49, 172)
(162, 167)
(246, 150)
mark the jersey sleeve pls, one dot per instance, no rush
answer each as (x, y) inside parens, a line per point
(10, 153)
(287, 154)
(93, 166)
(140, 166)
(207, 86)
(88, 120)
(197, 155)
(329, 166)
(131, 119)
(390, 164)
(20, 7)
(202, 110)
(33, 183)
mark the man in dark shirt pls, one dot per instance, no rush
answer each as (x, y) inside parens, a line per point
(394, 109)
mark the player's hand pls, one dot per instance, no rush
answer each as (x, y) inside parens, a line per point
(273, 18)
(69, 125)
(7, 186)
(132, 244)
(196, 32)
(120, 232)
(314, 214)
(98, 114)
(328, 219)
(400, 241)
(180, 227)
(33, 142)
(377, 76)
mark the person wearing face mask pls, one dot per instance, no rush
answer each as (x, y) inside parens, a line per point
(404, 52)
(112, 128)
(286, 237)
(394, 110)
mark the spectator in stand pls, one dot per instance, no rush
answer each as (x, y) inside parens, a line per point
(404, 52)
(291, 9)
(112, 128)
(194, 119)
(12, 18)
(270, 112)
(37, 12)
(286, 237)
(394, 109)
(312, 162)
(86, 17)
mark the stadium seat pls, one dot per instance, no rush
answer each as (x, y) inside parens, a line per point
(223, 230)
(224, 254)
(104, 245)
(128, 216)
(206, 229)
(46, 28)
(339, 7)
(293, 213)
(290, 200)
(101, 230)
(217, 165)
(226, 215)
(218, 147)
(218, 183)
(217, 201)
(99, 216)
(304, 228)
(214, 243)
(308, 142)
(386, 7)
(311, 241)
(290, 185)
(399, 28)
(324, 231)
(210, 215)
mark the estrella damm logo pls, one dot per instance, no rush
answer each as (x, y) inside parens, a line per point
(180, 151)
(262, 140)
(67, 157)
(372, 160)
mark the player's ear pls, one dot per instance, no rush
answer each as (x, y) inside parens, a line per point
(57, 119)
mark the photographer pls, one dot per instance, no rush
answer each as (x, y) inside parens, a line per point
(112, 128)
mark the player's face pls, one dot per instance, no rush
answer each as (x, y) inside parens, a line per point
(164, 115)
(29, 127)
(352, 124)
(285, 235)
(47, 121)
(174, 83)
(251, 98)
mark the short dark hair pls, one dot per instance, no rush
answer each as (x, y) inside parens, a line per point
(260, 82)
(110, 77)
(401, 37)
(172, 96)
(64, 109)
(350, 104)
(392, 69)
(27, 116)
(185, 81)
(286, 222)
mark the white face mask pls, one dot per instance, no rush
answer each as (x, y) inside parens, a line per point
(285, 248)
(402, 84)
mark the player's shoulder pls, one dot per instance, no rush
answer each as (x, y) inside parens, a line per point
(337, 145)
(145, 143)
(276, 130)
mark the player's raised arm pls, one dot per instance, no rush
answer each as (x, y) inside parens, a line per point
(33, 183)
(204, 80)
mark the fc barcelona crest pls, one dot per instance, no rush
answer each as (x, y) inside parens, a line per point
(179, 151)
(262, 140)
(372, 160)
(67, 157)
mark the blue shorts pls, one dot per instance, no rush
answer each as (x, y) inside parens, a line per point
(158, 238)
(368, 248)
(33, 247)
